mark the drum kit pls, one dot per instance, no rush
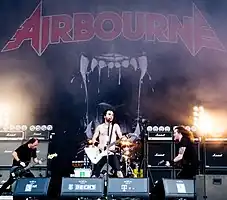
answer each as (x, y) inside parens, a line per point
(127, 152)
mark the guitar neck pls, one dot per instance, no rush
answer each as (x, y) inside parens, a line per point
(32, 165)
(113, 143)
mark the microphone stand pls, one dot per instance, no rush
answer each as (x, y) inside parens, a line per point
(107, 149)
(107, 156)
(203, 139)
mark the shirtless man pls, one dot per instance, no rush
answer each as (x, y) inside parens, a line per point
(101, 132)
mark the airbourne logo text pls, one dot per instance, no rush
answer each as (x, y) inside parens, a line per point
(42, 31)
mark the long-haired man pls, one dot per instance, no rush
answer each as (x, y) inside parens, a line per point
(187, 156)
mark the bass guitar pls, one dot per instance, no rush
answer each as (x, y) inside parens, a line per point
(95, 154)
(18, 171)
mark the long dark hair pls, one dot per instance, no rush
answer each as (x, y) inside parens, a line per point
(31, 141)
(105, 112)
(186, 133)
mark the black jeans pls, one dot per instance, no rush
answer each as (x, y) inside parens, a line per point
(187, 172)
(11, 180)
(113, 162)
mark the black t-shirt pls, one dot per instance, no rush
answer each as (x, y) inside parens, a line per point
(25, 154)
(190, 156)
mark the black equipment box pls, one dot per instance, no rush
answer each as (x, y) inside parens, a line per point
(215, 187)
(128, 187)
(82, 187)
(32, 187)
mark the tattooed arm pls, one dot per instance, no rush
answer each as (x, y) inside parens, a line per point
(180, 154)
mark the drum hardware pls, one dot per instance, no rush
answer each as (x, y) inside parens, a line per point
(126, 148)
(127, 167)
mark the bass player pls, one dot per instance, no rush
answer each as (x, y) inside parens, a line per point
(22, 157)
(107, 132)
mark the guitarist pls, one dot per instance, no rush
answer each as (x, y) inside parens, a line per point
(187, 157)
(107, 132)
(21, 158)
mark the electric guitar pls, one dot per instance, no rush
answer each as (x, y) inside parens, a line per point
(18, 171)
(95, 154)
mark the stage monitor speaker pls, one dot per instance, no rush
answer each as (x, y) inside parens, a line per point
(176, 188)
(32, 187)
(215, 187)
(128, 187)
(82, 187)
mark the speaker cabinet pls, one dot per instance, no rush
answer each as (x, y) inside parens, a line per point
(31, 187)
(216, 154)
(215, 187)
(158, 151)
(175, 188)
(6, 150)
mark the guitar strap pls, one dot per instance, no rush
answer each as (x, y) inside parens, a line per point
(111, 133)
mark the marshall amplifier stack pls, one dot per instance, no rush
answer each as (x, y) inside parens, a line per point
(216, 156)
(8, 142)
(160, 147)
(43, 134)
(11, 139)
